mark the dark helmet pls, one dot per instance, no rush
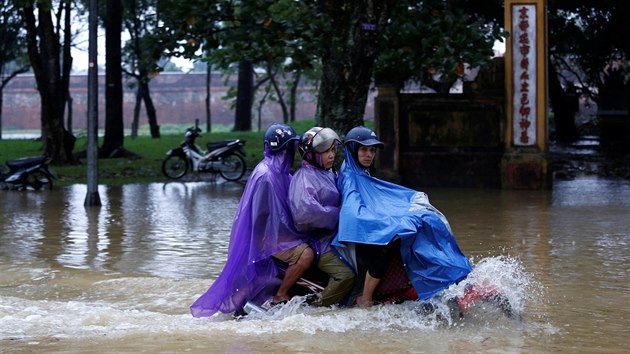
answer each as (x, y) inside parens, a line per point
(364, 136)
(318, 139)
(278, 135)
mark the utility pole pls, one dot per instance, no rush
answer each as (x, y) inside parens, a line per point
(92, 198)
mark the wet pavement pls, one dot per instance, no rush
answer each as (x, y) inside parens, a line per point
(586, 157)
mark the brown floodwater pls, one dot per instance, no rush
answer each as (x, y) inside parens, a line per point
(120, 278)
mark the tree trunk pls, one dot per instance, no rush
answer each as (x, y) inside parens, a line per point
(114, 126)
(293, 94)
(151, 114)
(274, 83)
(208, 97)
(1, 105)
(244, 97)
(68, 138)
(44, 55)
(69, 119)
(67, 57)
(136, 112)
(347, 64)
(261, 103)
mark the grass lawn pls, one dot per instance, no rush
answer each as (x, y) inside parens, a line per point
(145, 169)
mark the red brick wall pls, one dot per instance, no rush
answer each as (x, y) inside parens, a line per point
(179, 98)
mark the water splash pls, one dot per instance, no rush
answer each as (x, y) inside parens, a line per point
(503, 274)
(114, 305)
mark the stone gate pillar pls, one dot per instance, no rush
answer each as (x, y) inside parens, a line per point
(386, 123)
(525, 164)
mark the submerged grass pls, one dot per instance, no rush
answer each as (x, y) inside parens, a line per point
(146, 167)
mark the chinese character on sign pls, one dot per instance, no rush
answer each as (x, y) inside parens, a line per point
(524, 69)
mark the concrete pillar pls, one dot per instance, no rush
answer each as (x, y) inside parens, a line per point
(525, 162)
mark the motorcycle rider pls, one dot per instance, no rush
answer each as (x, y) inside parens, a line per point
(315, 201)
(377, 213)
(262, 229)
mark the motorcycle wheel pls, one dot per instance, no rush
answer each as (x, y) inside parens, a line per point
(175, 167)
(232, 167)
(37, 179)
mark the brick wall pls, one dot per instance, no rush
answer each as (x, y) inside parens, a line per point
(178, 97)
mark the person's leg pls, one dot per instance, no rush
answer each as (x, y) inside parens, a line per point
(370, 284)
(292, 274)
(375, 259)
(340, 282)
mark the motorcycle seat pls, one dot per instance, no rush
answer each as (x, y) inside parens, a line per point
(25, 161)
(219, 144)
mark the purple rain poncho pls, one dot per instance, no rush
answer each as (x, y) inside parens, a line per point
(314, 201)
(262, 226)
(376, 212)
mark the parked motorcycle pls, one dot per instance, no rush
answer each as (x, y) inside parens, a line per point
(224, 157)
(30, 173)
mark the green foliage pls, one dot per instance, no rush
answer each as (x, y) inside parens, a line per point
(286, 37)
(588, 36)
(143, 51)
(261, 31)
(13, 55)
(428, 37)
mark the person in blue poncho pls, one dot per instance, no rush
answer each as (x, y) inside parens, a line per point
(378, 217)
(263, 229)
(315, 201)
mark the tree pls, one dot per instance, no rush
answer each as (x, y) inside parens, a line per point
(248, 34)
(349, 40)
(114, 138)
(245, 83)
(244, 96)
(397, 40)
(143, 52)
(51, 62)
(13, 56)
(348, 61)
(585, 40)
(432, 39)
(189, 28)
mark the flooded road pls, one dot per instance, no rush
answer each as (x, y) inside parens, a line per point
(120, 278)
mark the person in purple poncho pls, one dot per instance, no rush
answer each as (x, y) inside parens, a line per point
(315, 201)
(263, 229)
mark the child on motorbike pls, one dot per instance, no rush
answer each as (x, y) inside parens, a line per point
(378, 217)
(263, 229)
(314, 201)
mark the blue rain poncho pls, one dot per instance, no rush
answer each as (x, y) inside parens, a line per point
(376, 212)
(262, 227)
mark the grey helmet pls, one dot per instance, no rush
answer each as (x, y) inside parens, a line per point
(318, 139)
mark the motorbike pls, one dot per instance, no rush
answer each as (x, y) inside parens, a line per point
(27, 173)
(225, 158)
(394, 288)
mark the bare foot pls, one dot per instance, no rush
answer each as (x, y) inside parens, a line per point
(278, 299)
(364, 302)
